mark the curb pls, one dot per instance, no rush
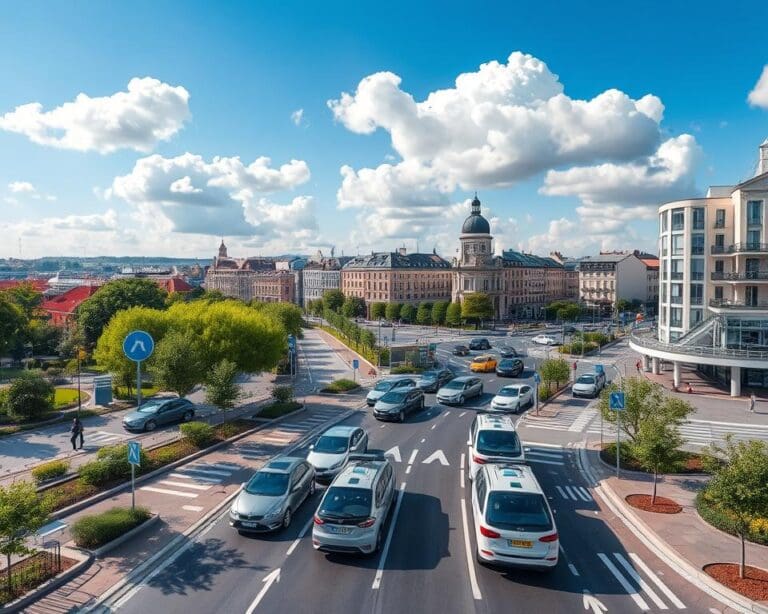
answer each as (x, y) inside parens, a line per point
(51, 585)
(173, 549)
(80, 505)
(663, 550)
(102, 550)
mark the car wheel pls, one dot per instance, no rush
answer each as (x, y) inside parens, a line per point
(287, 518)
(188, 415)
(479, 559)
(150, 425)
(401, 417)
(377, 547)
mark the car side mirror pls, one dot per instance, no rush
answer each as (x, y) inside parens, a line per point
(311, 446)
(243, 485)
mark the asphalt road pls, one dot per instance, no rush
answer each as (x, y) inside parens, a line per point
(427, 567)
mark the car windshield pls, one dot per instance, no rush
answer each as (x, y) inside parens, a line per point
(508, 391)
(383, 386)
(481, 359)
(498, 443)
(329, 444)
(429, 375)
(393, 397)
(346, 502)
(268, 484)
(149, 408)
(507, 364)
(518, 511)
(586, 379)
(455, 385)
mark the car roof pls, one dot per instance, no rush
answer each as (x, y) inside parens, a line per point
(518, 386)
(483, 357)
(495, 421)
(511, 477)
(464, 378)
(397, 378)
(360, 474)
(282, 464)
(341, 431)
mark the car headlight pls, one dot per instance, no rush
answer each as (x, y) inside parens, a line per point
(233, 512)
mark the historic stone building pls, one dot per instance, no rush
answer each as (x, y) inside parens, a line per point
(321, 274)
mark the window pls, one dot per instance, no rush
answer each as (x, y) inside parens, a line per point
(697, 294)
(481, 489)
(676, 294)
(755, 212)
(698, 218)
(678, 219)
(719, 293)
(750, 296)
(697, 269)
(663, 221)
(697, 315)
(719, 264)
(677, 245)
(677, 269)
(753, 239)
(697, 244)
(752, 265)
(720, 218)
(676, 317)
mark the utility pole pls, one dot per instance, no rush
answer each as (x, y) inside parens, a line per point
(80, 353)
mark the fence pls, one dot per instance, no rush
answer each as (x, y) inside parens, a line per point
(32, 571)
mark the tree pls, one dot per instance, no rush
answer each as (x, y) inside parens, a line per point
(333, 299)
(453, 314)
(22, 512)
(569, 312)
(94, 314)
(221, 389)
(28, 397)
(657, 448)
(739, 484)
(439, 310)
(477, 306)
(176, 364)
(12, 324)
(318, 306)
(554, 370)
(288, 314)
(393, 311)
(353, 307)
(27, 299)
(44, 337)
(408, 313)
(643, 400)
(424, 314)
(378, 310)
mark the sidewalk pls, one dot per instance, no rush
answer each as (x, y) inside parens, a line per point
(348, 355)
(686, 534)
(703, 386)
(186, 498)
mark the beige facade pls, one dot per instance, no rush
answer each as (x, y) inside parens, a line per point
(610, 276)
(274, 287)
(236, 276)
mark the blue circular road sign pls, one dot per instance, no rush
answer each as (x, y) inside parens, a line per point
(138, 345)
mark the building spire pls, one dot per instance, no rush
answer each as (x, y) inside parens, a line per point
(476, 205)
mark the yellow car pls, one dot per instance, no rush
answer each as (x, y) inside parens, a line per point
(483, 364)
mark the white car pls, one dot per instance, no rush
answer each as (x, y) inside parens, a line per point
(544, 340)
(588, 385)
(493, 439)
(513, 398)
(513, 522)
(330, 453)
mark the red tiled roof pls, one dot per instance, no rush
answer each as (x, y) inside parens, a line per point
(41, 285)
(70, 300)
(176, 284)
(651, 263)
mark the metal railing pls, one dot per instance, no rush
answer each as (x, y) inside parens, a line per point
(740, 276)
(729, 304)
(676, 275)
(719, 223)
(740, 248)
(647, 340)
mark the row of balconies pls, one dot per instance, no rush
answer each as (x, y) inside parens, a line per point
(740, 276)
(740, 248)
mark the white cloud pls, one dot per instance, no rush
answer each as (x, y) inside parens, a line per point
(222, 197)
(297, 117)
(26, 189)
(21, 186)
(148, 112)
(758, 97)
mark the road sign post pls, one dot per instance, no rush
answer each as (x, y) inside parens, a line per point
(355, 367)
(138, 346)
(537, 379)
(616, 403)
(134, 458)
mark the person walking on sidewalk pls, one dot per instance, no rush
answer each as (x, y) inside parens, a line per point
(77, 431)
(638, 364)
(752, 402)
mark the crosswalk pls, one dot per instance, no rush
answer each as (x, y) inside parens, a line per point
(545, 455)
(574, 493)
(572, 420)
(189, 481)
(103, 437)
(700, 433)
(636, 579)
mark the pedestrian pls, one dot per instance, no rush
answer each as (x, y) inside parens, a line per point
(752, 402)
(77, 431)
(690, 388)
(637, 364)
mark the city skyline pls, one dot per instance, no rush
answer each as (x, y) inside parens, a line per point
(286, 137)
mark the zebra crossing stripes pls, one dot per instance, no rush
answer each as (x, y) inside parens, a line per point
(545, 456)
(190, 480)
(102, 437)
(583, 420)
(567, 419)
(574, 493)
(635, 585)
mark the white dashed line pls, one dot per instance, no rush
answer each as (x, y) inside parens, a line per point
(297, 541)
(413, 456)
(433, 426)
(462, 414)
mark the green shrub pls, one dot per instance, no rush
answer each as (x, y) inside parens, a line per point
(29, 397)
(164, 456)
(544, 392)
(51, 469)
(68, 493)
(278, 409)
(111, 464)
(99, 529)
(341, 385)
(724, 521)
(282, 394)
(406, 369)
(199, 434)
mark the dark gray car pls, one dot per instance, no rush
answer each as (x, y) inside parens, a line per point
(157, 412)
(397, 404)
(433, 380)
(271, 497)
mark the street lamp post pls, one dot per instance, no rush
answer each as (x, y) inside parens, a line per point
(80, 355)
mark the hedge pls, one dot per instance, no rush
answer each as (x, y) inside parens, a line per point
(341, 385)
(200, 434)
(279, 408)
(720, 519)
(99, 529)
(111, 464)
(51, 469)
(406, 369)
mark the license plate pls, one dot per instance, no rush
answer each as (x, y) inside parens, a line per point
(340, 530)
(520, 543)
(250, 524)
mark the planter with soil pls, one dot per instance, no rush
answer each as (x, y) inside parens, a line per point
(754, 584)
(662, 505)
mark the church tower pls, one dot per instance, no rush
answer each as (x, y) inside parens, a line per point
(222, 250)
(476, 240)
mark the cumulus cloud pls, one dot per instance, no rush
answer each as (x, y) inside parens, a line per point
(21, 186)
(220, 197)
(26, 190)
(148, 112)
(297, 117)
(758, 97)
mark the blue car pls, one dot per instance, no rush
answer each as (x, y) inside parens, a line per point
(148, 416)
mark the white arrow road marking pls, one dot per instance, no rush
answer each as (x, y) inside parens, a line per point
(437, 455)
(395, 454)
(272, 577)
(593, 603)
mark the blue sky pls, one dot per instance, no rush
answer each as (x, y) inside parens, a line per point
(156, 173)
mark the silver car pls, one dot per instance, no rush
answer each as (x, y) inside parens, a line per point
(268, 501)
(383, 386)
(331, 451)
(459, 390)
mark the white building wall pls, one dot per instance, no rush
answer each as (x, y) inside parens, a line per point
(631, 279)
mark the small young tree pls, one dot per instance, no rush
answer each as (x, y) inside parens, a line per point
(439, 310)
(221, 389)
(282, 394)
(657, 448)
(378, 310)
(408, 313)
(22, 512)
(393, 311)
(424, 314)
(28, 397)
(554, 370)
(176, 364)
(453, 314)
(739, 484)
(333, 299)
(477, 306)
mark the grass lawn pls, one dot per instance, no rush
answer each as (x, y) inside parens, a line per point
(68, 396)
(6, 375)
(147, 390)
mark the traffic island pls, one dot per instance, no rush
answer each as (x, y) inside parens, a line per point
(754, 584)
(103, 532)
(661, 505)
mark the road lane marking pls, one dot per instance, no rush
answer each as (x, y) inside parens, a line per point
(562, 492)
(574, 571)
(437, 455)
(223, 466)
(544, 462)
(583, 493)
(185, 485)
(462, 414)
(467, 548)
(657, 581)
(211, 472)
(638, 580)
(571, 494)
(297, 541)
(395, 454)
(413, 456)
(383, 426)
(193, 508)
(272, 577)
(447, 413)
(165, 491)
(408, 469)
(433, 426)
(422, 440)
(463, 458)
(623, 581)
(194, 477)
(546, 454)
(534, 444)
(383, 559)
